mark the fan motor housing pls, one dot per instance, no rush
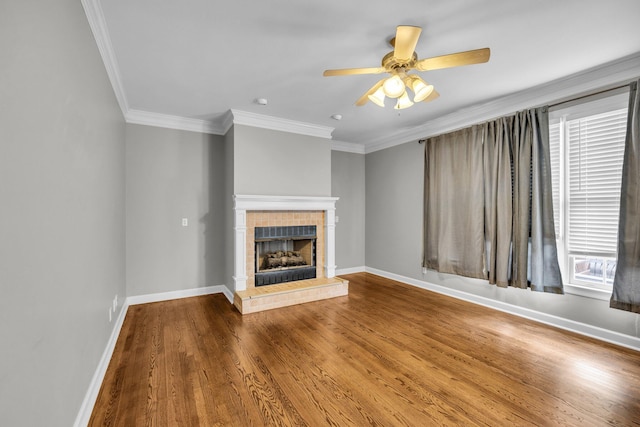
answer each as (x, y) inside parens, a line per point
(390, 62)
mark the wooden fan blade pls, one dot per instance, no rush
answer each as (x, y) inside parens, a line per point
(405, 41)
(476, 56)
(353, 71)
(433, 95)
(364, 98)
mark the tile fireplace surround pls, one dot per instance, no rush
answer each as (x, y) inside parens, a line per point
(267, 211)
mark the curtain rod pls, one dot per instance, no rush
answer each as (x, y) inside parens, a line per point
(611, 89)
(420, 141)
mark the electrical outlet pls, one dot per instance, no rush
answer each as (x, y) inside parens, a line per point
(424, 270)
(185, 222)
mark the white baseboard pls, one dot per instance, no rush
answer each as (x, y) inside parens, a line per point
(548, 319)
(588, 330)
(350, 270)
(186, 293)
(82, 419)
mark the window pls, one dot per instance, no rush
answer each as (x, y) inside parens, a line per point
(587, 150)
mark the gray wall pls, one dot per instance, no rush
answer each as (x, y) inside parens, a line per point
(173, 174)
(394, 209)
(61, 209)
(269, 162)
(394, 195)
(348, 183)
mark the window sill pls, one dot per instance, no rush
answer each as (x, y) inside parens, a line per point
(588, 292)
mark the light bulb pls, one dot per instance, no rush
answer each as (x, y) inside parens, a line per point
(403, 102)
(393, 87)
(377, 97)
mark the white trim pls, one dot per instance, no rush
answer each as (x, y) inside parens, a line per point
(98, 25)
(597, 78)
(283, 203)
(89, 401)
(240, 244)
(140, 117)
(243, 203)
(587, 292)
(348, 147)
(185, 293)
(82, 419)
(350, 270)
(227, 121)
(222, 126)
(548, 319)
(622, 70)
(330, 242)
(285, 125)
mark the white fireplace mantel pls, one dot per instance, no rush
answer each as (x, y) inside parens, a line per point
(244, 203)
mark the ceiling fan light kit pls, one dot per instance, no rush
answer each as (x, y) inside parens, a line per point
(404, 59)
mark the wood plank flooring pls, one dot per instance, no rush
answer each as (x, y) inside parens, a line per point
(387, 354)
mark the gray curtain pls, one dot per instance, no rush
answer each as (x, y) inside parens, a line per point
(544, 268)
(626, 283)
(453, 211)
(498, 200)
(509, 183)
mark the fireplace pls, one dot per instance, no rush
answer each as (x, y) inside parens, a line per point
(284, 254)
(310, 223)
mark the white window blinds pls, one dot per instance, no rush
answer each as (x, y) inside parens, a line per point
(594, 168)
(586, 147)
(554, 151)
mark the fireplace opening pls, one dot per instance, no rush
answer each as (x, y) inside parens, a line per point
(284, 254)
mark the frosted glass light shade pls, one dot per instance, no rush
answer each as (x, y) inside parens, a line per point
(393, 87)
(403, 102)
(377, 97)
(420, 89)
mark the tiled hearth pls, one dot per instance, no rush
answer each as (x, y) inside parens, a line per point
(289, 293)
(277, 211)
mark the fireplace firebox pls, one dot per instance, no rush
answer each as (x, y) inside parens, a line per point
(284, 254)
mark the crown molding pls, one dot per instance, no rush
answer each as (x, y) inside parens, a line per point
(227, 121)
(598, 78)
(98, 26)
(275, 123)
(349, 147)
(174, 122)
(231, 117)
(100, 31)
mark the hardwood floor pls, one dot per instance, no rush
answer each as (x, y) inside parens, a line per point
(388, 354)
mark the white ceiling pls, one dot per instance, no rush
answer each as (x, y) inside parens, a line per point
(198, 59)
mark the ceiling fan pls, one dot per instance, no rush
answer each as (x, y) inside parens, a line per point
(404, 59)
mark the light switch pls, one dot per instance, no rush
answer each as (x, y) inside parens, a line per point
(185, 222)
(337, 219)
